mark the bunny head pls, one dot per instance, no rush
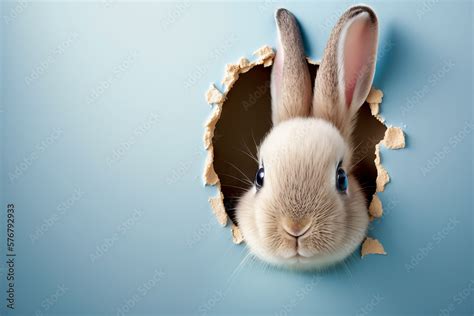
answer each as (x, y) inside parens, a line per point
(306, 209)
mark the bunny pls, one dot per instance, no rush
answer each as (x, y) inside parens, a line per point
(305, 209)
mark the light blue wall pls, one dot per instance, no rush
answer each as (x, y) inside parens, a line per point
(82, 82)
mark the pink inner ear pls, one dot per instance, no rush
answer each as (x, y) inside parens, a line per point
(356, 54)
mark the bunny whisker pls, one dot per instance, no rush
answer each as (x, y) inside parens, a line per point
(240, 171)
(244, 181)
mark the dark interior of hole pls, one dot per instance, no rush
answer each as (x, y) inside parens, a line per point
(246, 119)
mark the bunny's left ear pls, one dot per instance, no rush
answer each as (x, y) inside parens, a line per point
(290, 81)
(347, 69)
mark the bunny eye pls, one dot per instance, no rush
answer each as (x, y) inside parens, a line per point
(259, 178)
(341, 179)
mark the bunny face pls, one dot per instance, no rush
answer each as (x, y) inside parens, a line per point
(299, 217)
(306, 210)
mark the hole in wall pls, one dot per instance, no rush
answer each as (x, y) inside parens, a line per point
(368, 132)
(244, 122)
(246, 119)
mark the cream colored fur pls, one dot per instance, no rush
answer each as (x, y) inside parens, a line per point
(301, 153)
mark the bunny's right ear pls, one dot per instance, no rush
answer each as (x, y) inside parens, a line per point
(290, 81)
(347, 69)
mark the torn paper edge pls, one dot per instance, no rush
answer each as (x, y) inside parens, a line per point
(218, 208)
(236, 235)
(372, 246)
(374, 99)
(375, 207)
(216, 98)
(393, 139)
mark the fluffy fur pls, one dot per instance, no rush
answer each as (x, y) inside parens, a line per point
(298, 218)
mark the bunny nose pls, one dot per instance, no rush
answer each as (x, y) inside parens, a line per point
(296, 228)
